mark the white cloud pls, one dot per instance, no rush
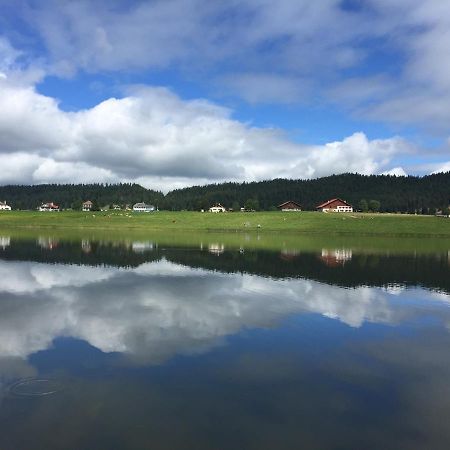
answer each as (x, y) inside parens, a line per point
(154, 137)
(268, 87)
(236, 42)
(396, 171)
(445, 167)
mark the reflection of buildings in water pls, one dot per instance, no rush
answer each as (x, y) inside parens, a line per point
(86, 246)
(141, 247)
(289, 254)
(216, 248)
(336, 257)
(47, 243)
(5, 241)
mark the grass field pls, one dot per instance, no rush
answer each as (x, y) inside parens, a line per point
(262, 222)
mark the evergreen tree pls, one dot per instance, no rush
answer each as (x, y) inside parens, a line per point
(363, 205)
(374, 205)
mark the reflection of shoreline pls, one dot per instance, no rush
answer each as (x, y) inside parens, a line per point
(341, 266)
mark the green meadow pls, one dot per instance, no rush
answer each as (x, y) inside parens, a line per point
(306, 223)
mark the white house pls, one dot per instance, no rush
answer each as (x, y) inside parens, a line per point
(48, 207)
(4, 206)
(143, 207)
(217, 208)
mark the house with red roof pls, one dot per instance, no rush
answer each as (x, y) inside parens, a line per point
(289, 206)
(49, 207)
(335, 205)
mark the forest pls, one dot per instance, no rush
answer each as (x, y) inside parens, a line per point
(384, 193)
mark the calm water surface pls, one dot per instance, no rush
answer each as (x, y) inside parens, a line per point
(137, 345)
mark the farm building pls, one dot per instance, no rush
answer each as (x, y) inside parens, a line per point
(87, 206)
(49, 207)
(143, 207)
(335, 205)
(289, 206)
(4, 206)
(217, 208)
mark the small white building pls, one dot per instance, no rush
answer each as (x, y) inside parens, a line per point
(217, 208)
(143, 207)
(49, 207)
(4, 206)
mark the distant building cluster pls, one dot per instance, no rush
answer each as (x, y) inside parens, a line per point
(88, 206)
(334, 205)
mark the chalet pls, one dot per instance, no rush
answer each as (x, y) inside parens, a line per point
(143, 207)
(87, 206)
(289, 206)
(49, 207)
(4, 206)
(217, 208)
(335, 205)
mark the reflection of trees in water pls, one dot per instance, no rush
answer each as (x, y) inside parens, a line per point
(83, 252)
(342, 266)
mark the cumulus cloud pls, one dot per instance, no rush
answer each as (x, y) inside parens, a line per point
(154, 137)
(445, 167)
(235, 42)
(396, 171)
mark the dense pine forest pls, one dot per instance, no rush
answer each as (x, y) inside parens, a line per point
(393, 194)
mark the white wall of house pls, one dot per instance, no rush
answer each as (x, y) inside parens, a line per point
(217, 209)
(146, 208)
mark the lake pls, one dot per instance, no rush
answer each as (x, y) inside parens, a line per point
(223, 342)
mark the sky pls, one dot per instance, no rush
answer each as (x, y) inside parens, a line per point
(173, 93)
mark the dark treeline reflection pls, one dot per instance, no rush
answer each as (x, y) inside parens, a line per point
(342, 267)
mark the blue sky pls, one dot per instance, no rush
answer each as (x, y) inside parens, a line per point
(181, 92)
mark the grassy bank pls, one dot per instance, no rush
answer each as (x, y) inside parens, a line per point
(262, 222)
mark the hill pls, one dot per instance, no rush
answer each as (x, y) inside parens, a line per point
(404, 194)
(395, 194)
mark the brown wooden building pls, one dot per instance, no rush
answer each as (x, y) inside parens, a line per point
(289, 206)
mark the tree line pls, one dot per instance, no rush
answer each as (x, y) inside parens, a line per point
(384, 193)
